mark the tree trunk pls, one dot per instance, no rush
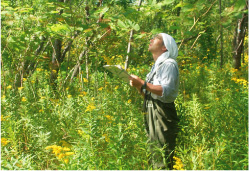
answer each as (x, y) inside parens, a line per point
(221, 39)
(238, 41)
(130, 40)
(56, 61)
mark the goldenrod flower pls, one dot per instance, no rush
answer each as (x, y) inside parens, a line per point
(85, 80)
(83, 93)
(66, 161)
(20, 88)
(109, 117)
(2, 118)
(107, 139)
(60, 156)
(66, 149)
(24, 99)
(90, 108)
(178, 164)
(4, 141)
(80, 132)
(69, 153)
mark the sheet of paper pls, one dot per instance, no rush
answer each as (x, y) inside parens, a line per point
(118, 71)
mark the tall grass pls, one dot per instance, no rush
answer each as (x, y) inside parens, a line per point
(98, 124)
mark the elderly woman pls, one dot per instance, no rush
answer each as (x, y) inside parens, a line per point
(160, 89)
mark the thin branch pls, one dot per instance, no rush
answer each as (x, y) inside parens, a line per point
(197, 39)
(202, 15)
(130, 40)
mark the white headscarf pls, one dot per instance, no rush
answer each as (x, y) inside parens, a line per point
(172, 50)
(171, 46)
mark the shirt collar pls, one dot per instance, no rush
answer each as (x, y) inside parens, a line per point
(161, 58)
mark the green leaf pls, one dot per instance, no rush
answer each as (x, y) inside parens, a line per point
(79, 28)
(136, 27)
(60, 28)
(239, 5)
(156, 31)
(54, 12)
(168, 2)
(121, 24)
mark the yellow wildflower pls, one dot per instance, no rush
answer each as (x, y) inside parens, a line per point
(69, 153)
(24, 79)
(101, 88)
(54, 71)
(90, 108)
(83, 93)
(9, 87)
(40, 111)
(69, 96)
(80, 132)
(129, 101)
(107, 139)
(85, 80)
(4, 141)
(60, 156)
(2, 118)
(178, 164)
(39, 69)
(108, 117)
(116, 87)
(66, 161)
(24, 99)
(20, 88)
(66, 149)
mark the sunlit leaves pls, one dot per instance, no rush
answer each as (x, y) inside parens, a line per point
(128, 24)
(60, 28)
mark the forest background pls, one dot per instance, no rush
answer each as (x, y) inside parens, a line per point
(60, 109)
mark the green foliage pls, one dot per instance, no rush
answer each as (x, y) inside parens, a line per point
(92, 120)
(102, 124)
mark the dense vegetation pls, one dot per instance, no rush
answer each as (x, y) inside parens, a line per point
(61, 110)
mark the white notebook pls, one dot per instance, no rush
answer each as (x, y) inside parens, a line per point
(118, 71)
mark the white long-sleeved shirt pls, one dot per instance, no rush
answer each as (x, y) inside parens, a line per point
(167, 75)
